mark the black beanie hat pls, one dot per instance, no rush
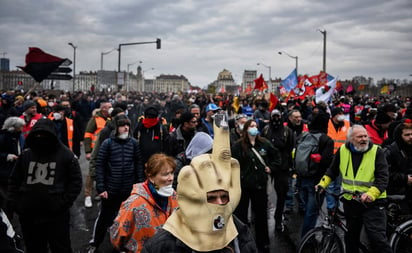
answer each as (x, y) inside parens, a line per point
(382, 118)
(122, 120)
(116, 111)
(151, 112)
(27, 104)
(335, 111)
(186, 117)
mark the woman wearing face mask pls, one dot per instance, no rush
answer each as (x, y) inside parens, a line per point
(148, 207)
(118, 167)
(258, 159)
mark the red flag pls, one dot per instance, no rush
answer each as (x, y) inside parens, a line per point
(260, 83)
(348, 89)
(339, 86)
(314, 80)
(282, 91)
(273, 102)
(40, 64)
(361, 87)
(323, 78)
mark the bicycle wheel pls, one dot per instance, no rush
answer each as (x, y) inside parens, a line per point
(321, 240)
(401, 239)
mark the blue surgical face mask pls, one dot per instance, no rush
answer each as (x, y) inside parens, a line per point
(253, 131)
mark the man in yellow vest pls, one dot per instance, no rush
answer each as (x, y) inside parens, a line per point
(364, 170)
(93, 128)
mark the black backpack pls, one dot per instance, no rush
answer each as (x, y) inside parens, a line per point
(306, 145)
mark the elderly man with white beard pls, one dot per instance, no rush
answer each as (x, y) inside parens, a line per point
(364, 170)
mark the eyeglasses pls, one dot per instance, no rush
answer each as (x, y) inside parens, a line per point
(193, 121)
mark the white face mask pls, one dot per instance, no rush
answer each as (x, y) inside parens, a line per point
(123, 136)
(110, 110)
(57, 116)
(240, 126)
(166, 191)
(340, 118)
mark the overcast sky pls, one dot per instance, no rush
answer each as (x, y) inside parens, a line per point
(200, 38)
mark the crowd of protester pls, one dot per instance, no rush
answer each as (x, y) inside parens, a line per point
(125, 131)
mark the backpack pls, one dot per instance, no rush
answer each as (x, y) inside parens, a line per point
(306, 145)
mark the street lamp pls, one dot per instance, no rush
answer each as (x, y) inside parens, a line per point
(324, 48)
(270, 70)
(101, 57)
(293, 57)
(130, 64)
(74, 62)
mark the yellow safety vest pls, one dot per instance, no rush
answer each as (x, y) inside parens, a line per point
(364, 177)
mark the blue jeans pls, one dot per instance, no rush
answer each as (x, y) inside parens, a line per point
(333, 187)
(294, 187)
(311, 207)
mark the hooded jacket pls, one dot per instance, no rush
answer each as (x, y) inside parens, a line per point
(245, 242)
(399, 157)
(11, 142)
(47, 177)
(131, 229)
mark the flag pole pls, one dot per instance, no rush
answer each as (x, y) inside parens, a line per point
(32, 89)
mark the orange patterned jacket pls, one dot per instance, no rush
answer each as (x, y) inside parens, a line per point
(139, 218)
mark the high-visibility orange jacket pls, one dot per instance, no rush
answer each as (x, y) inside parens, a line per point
(338, 137)
(70, 130)
(92, 131)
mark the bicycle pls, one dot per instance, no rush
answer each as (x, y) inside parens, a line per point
(399, 226)
(325, 238)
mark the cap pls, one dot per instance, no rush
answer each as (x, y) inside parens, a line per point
(335, 111)
(212, 107)
(241, 116)
(276, 112)
(28, 103)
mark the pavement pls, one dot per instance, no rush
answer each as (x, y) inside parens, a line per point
(83, 219)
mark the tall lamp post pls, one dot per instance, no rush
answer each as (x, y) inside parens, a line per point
(270, 72)
(324, 48)
(74, 62)
(130, 64)
(101, 57)
(293, 57)
(128, 77)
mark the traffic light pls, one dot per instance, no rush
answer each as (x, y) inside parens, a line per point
(158, 43)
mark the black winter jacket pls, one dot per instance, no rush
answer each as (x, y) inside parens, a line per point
(164, 241)
(118, 166)
(8, 145)
(47, 178)
(252, 171)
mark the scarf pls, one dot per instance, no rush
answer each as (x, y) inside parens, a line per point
(150, 122)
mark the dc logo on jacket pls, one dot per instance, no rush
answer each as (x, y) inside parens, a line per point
(42, 173)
